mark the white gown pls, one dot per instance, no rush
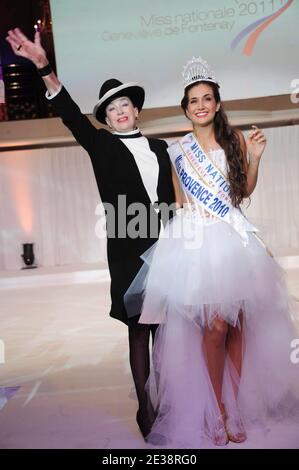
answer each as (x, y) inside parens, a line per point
(198, 270)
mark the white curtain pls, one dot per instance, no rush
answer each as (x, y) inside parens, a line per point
(274, 207)
(49, 197)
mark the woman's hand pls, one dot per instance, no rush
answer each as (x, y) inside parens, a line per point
(256, 142)
(33, 51)
(23, 47)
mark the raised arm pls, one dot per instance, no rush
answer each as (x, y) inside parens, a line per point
(254, 148)
(80, 126)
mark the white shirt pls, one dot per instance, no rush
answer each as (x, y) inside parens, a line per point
(146, 161)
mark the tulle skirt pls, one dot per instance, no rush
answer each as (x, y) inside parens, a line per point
(193, 275)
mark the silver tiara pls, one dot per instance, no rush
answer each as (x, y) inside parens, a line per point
(197, 70)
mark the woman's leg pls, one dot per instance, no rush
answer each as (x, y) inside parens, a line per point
(139, 335)
(214, 346)
(214, 340)
(234, 346)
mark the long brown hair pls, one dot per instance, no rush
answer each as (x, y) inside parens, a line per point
(228, 139)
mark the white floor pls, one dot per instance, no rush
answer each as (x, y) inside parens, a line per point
(69, 360)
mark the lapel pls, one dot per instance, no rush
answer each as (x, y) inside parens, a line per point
(164, 169)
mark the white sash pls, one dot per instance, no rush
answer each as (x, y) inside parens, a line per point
(206, 184)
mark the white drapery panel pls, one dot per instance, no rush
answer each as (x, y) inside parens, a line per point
(49, 197)
(274, 206)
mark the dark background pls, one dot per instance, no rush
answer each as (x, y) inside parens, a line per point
(24, 90)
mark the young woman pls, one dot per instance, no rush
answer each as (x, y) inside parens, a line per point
(222, 351)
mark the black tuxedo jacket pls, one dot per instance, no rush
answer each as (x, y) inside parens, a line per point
(117, 174)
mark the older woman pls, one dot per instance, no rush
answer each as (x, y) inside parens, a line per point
(129, 169)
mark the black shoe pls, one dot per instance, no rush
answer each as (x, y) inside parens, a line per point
(144, 423)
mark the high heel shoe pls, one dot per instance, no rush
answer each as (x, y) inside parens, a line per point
(235, 429)
(220, 437)
(144, 423)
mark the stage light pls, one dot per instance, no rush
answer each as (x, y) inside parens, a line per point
(28, 256)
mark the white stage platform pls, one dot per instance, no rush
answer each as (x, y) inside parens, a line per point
(66, 382)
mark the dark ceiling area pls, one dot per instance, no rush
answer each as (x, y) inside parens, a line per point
(24, 91)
